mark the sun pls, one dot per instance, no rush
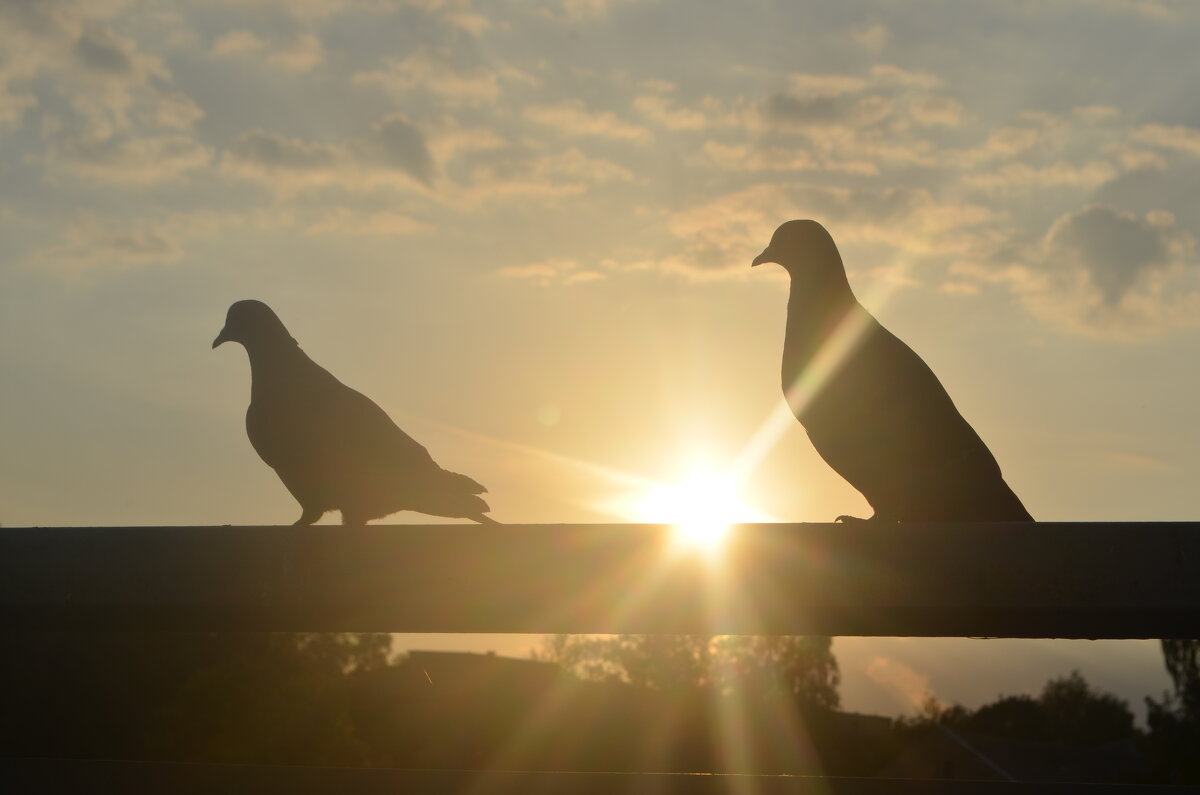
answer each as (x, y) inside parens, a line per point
(701, 505)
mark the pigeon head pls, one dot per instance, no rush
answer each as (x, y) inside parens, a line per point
(251, 323)
(807, 252)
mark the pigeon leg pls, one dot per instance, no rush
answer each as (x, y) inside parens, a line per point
(352, 519)
(309, 516)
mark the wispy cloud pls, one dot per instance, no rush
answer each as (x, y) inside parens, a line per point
(90, 244)
(123, 160)
(908, 684)
(873, 37)
(521, 174)
(1179, 137)
(659, 108)
(437, 75)
(394, 153)
(572, 117)
(299, 52)
(553, 272)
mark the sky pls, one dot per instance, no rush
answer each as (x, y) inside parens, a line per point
(525, 229)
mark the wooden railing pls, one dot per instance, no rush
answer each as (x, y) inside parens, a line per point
(1046, 580)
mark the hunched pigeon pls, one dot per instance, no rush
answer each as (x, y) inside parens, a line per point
(334, 448)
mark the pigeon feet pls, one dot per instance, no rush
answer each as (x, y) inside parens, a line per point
(308, 517)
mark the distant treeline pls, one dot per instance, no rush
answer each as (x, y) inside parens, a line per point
(641, 703)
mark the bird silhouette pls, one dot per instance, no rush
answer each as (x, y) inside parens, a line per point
(334, 448)
(871, 406)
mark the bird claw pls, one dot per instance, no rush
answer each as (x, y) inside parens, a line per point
(845, 519)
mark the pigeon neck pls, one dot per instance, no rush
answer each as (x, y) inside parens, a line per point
(813, 316)
(814, 306)
(270, 355)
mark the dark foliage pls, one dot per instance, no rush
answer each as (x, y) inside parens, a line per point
(1070, 732)
(646, 703)
(1175, 719)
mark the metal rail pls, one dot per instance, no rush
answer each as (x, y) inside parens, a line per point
(1071, 580)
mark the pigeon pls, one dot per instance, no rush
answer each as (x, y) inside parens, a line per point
(873, 409)
(334, 448)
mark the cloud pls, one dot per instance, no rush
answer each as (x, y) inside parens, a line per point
(890, 75)
(270, 154)
(1180, 138)
(1006, 143)
(910, 685)
(299, 53)
(874, 37)
(936, 111)
(1022, 176)
(437, 75)
(310, 9)
(237, 42)
(393, 152)
(1157, 10)
(572, 117)
(661, 110)
(1113, 249)
(586, 10)
(515, 173)
(121, 159)
(721, 236)
(1100, 272)
(805, 111)
(552, 272)
(881, 116)
(451, 141)
(108, 79)
(109, 110)
(176, 110)
(99, 50)
(90, 244)
(394, 143)
(744, 157)
(1096, 114)
(384, 223)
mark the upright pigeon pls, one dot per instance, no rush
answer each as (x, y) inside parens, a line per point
(334, 448)
(873, 409)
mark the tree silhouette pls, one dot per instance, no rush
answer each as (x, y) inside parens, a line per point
(1182, 658)
(1069, 711)
(286, 700)
(262, 697)
(1175, 720)
(801, 669)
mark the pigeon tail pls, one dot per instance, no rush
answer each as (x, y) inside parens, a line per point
(454, 495)
(469, 485)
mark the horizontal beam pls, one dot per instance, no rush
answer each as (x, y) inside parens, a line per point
(1136, 580)
(103, 776)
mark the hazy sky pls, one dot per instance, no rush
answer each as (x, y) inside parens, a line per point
(525, 230)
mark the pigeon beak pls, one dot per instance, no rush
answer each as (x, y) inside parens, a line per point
(220, 338)
(766, 256)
